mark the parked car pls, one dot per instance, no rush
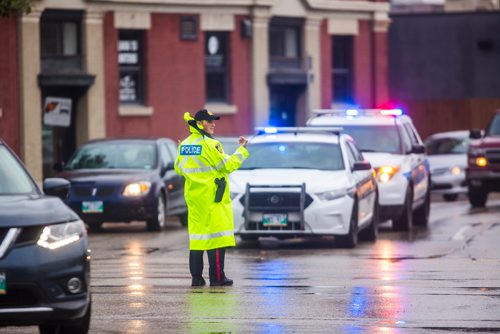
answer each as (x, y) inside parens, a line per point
(305, 182)
(483, 162)
(390, 142)
(44, 256)
(447, 155)
(124, 180)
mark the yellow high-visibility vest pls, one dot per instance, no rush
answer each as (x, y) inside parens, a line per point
(201, 160)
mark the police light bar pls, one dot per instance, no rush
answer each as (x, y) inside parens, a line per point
(274, 130)
(351, 112)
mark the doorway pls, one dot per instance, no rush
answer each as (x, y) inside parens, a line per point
(59, 142)
(284, 104)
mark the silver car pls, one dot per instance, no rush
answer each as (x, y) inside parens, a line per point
(447, 156)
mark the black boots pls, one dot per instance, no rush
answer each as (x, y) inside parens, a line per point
(223, 282)
(198, 281)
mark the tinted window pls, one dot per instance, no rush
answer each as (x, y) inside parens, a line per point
(13, 178)
(114, 155)
(447, 146)
(294, 155)
(494, 129)
(375, 138)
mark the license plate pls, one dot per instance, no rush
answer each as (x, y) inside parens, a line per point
(93, 207)
(274, 219)
(3, 284)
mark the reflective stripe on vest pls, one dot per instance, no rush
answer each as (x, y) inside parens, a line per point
(211, 235)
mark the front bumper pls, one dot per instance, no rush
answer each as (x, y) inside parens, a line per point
(448, 184)
(119, 209)
(36, 280)
(321, 218)
(488, 180)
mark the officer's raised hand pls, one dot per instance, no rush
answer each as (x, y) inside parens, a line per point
(243, 141)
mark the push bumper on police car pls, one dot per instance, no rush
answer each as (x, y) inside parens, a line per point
(285, 211)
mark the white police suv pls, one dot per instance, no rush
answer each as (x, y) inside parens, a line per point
(301, 182)
(390, 142)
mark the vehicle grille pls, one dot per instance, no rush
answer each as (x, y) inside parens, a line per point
(440, 171)
(269, 202)
(89, 190)
(29, 235)
(17, 297)
(493, 156)
(259, 226)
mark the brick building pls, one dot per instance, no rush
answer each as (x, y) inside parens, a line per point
(133, 67)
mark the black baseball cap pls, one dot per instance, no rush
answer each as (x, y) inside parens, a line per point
(205, 115)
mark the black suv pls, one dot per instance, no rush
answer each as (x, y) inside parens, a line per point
(44, 256)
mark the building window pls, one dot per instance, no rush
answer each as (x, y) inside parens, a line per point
(216, 66)
(342, 69)
(60, 41)
(131, 62)
(284, 42)
(189, 28)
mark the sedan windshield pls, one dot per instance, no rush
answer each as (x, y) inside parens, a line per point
(13, 178)
(447, 146)
(294, 155)
(375, 138)
(114, 155)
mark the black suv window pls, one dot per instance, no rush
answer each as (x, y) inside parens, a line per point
(494, 128)
(13, 178)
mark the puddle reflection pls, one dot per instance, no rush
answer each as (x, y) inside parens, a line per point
(213, 310)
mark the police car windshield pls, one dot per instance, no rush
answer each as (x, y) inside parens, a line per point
(130, 155)
(294, 155)
(375, 138)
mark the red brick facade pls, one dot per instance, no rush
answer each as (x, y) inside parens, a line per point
(175, 81)
(9, 84)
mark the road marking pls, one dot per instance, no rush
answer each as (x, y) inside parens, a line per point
(460, 235)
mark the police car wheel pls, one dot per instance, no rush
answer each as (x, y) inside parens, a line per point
(350, 240)
(158, 221)
(421, 215)
(370, 233)
(405, 220)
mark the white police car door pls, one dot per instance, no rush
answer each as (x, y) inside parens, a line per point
(419, 168)
(365, 186)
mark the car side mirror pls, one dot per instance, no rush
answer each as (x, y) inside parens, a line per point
(418, 149)
(56, 186)
(58, 166)
(167, 167)
(475, 134)
(361, 165)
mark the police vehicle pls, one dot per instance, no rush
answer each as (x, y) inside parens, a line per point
(389, 140)
(300, 182)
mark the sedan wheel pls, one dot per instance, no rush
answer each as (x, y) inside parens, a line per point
(350, 240)
(158, 222)
(405, 221)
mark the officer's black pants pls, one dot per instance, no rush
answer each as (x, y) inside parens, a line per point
(215, 260)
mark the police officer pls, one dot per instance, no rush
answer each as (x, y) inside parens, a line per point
(205, 167)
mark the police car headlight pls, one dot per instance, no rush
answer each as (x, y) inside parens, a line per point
(334, 194)
(385, 173)
(59, 235)
(137, 189)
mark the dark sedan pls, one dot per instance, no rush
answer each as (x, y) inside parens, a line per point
(44, 256)
(124, 180)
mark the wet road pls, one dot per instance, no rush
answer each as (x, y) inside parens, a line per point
(443, 279)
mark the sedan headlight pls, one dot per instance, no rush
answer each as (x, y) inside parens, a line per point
(59, 235)
(385, 173)
(456, 170)
(335, 194)
(137, 189)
